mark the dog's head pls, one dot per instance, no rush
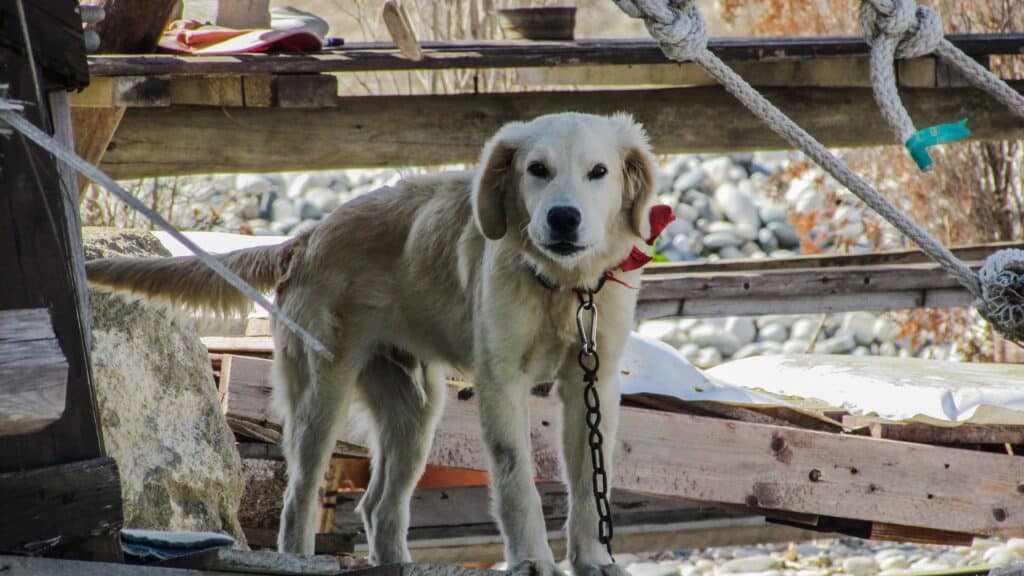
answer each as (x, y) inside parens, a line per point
(579, 187)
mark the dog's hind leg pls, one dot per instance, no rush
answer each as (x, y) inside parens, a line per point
(405, 398)
(315, 405)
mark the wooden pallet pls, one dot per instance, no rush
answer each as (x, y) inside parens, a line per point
(898, 489)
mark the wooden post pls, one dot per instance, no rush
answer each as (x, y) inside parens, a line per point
(41, 262)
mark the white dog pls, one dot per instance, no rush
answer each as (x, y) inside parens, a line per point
(474, 271)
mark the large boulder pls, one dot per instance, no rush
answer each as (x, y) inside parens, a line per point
(158, 406)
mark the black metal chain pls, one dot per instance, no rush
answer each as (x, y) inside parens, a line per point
(590, 362)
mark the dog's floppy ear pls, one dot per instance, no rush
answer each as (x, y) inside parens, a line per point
(637, 172)
(494, 180)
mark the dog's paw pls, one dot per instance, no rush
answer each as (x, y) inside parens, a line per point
(599, 570)
(536, 568)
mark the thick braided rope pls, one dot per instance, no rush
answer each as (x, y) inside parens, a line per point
(998, 289)
(981, 77)
(900, 30)
(661, 16)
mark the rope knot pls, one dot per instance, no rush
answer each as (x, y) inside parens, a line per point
(1001, 279)
(916, 30)
(676, 24)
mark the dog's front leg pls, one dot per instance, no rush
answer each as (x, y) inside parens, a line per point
(504, 417)
(586, 553)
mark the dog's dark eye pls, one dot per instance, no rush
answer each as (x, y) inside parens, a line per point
(538, 169)
(597, 172)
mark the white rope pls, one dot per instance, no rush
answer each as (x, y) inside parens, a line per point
(43, 140)
(670, 20)
(902, 29)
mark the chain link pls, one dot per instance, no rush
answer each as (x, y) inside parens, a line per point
(590, 362)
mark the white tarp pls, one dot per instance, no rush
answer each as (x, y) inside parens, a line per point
(896, 388)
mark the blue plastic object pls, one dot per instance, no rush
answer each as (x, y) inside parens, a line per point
(919, 143)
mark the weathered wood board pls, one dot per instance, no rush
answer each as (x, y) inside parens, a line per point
(43, 507)
(756, 465)
(33, 371)
(383, 56)
(375, 131)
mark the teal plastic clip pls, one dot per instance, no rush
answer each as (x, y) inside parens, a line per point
(919, 143)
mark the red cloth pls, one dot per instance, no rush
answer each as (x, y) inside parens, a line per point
(194, 37)
(661, 215)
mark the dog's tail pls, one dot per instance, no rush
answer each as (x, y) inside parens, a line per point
(186, 281)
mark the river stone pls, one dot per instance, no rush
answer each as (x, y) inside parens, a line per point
(707, 357)
(860, 566)
(717, 169)
(690, 351)
(718, 240)
(689, 180)
(760, 563)
(785, 234)
(795, 346)
(804, 328)
(686, 212)
(843, 342)
(283, 209)
(731, 253)
(700, 202)
(773, 333)
(652, 569)
(773, 213)
(897, 561)
(862, 325)
(158, 406)
(738, 207)
(886, 330)
(325, 199)
(742, 327)
(253, 185)
(707, 335)
(767, 239)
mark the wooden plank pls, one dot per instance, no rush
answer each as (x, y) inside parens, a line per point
(255, 562)
(33, 372)
(373, 131)
(55, 30)
(29, 566)
(922, 432)
(136, 91)
(239, 344)
(328, 544)
(305, 91)
(767, 467)
(48, 507)
(974, 254)
(823, 72)
(383, 56)
(207, 91)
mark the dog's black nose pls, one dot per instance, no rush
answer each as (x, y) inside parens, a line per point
(564, 220)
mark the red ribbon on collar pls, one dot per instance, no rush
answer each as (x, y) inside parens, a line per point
(660, 216)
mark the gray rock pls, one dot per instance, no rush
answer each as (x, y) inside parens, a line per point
(266, 202)
(886, 330)
(700, 202)
(158, 407)
(717, 169)
(708, 335)
(773, 213)
(249, 208)
(686, 212)
(253, 185)
(785, 233)
(767, 239)
(773, 333)
(717, 240)
(283, 226)
(690, 351)
(795, 346)
(325, 199)
(689, 180)
(308, 211)
(862, 325)
(804, 328)
(283, 209)
(842, 343)
(731, 253)
(707, 357)
(742, 327)
(738, 207)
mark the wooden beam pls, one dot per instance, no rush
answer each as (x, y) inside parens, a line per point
(822, 72)
(135, 91)
(383, 56)
(925, 433)
(757, 465)
(42, 264)
(48, 507)
(374, 131)
(33, 372)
